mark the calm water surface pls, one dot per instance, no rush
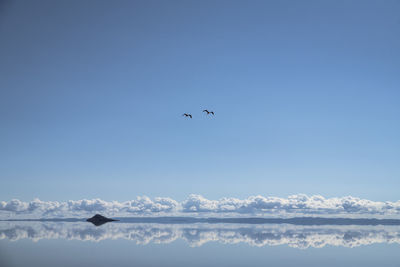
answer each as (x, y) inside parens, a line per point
(136, 244)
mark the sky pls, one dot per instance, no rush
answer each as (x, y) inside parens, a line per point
(305, 93)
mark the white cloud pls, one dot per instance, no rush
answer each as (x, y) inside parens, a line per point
(293, 204)
(198, 205)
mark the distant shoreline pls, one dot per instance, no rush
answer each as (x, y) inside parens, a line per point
(192, 220)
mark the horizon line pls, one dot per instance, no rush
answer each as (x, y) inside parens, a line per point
(231, 220)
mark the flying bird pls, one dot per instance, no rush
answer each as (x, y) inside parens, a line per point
(187, 115)
(208, 112)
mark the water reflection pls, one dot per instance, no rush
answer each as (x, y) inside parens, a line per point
(199, 234)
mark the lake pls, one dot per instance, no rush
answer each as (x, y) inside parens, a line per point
(79, 243)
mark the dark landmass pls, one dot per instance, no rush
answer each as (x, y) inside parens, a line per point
(99, 220)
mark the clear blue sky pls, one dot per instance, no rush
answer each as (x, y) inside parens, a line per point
(306, 96)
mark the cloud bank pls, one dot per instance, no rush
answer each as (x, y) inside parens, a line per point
(198, 205)
(198, 234)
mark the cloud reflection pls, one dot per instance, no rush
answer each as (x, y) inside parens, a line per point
(199, 234)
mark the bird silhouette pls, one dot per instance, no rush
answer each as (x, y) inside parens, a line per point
(187, 115)
(208, 112)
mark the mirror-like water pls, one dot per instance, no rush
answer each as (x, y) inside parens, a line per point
(198, 234)
(141, 244)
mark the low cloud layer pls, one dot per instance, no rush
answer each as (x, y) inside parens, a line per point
(198, 205)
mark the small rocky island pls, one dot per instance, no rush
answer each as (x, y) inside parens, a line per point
(99, 220)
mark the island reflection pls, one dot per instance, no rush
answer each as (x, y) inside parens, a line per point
(199, 234)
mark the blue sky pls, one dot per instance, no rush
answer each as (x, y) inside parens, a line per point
(306, 96)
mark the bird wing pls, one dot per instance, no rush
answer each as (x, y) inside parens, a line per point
(205, 110)
(190, 116)
(212, 112)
